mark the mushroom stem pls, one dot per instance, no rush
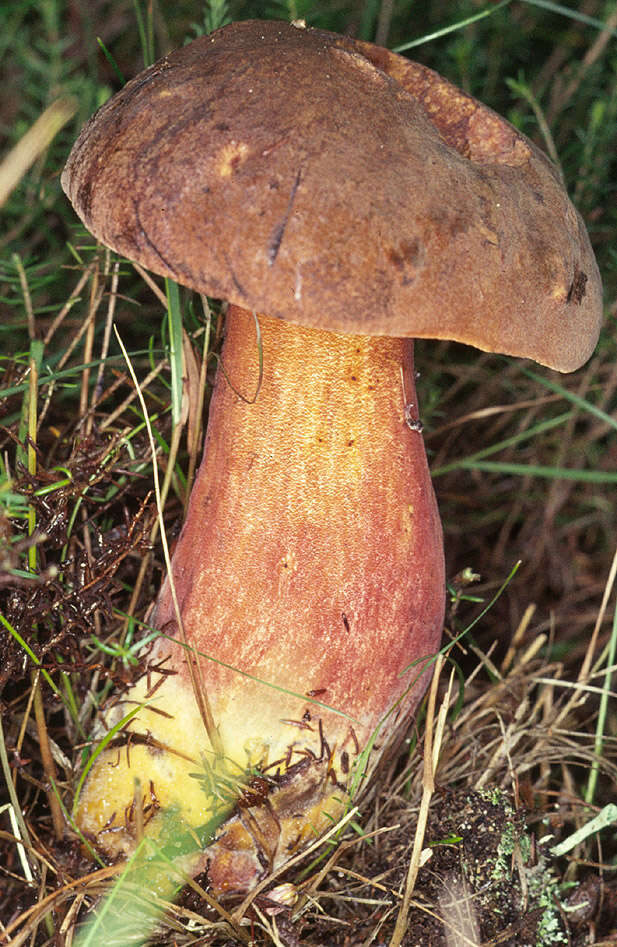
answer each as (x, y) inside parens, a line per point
(310, 577)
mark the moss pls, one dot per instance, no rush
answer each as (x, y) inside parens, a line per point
(510, 886)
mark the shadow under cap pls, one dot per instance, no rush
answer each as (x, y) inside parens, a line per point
(334, 184)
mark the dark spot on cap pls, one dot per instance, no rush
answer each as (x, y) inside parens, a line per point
(84, 198)
(577, 289)
(407, 258)
(407, 254)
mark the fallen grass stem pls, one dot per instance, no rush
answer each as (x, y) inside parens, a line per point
(14, 801)
(49, 766)
(432, 743)
(199, 689)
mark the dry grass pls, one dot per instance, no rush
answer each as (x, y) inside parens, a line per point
(536, 715)
(525, 720)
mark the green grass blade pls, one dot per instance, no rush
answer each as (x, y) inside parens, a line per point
(251, 677)
(570, 13)
(448, 647)
(452, 28)
(575, 399)
(176, 356)
(99, 749)
(540, 428)
(18, 638)
(110, 59)
(537, 470)
(602, 720)
(145, 30)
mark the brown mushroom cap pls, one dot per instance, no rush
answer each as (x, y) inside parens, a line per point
(337, 185)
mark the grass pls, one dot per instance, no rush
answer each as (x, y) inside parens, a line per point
(524, 465)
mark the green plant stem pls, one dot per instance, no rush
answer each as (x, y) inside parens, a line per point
(592, 780)
(194, 433)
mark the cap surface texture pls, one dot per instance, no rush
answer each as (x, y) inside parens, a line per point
(335, 184)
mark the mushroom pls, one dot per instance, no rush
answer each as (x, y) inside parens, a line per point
(345, 200)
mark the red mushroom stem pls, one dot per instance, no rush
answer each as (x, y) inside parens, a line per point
(309, 575)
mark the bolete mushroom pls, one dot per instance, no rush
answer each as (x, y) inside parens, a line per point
(353, 200)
